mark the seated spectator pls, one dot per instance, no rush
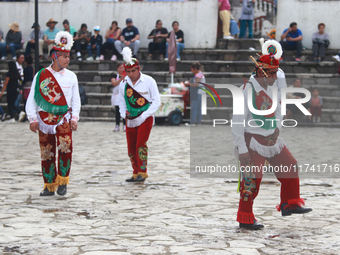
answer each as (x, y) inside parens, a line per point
(179, 41)
(49, 34)
(13, 41)
(233, 27)
(224, 12)
(31, 42)
(158, 35)
(315, 105)
(129, 38)
(292, 108)
(82, 40)
(68, 28)
(320, 43)
(96, 43)
(247, 17)
(111, 36)
(293, 37)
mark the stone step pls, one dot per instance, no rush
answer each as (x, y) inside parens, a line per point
(207, 66)
(212, 77)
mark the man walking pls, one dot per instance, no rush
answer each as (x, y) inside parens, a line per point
(53, 108)
(260, 141)
(138, 100)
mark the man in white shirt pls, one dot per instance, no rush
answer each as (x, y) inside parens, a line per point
(257, 140)
(53, 108)
(138, 101)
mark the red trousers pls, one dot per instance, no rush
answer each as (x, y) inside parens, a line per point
(54, 176)
(137, 149)
(250, 185)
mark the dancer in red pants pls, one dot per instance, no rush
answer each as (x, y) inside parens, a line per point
(257, 140)
(53, 107)
(138, 100)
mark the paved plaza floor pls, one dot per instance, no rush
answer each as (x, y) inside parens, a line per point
(170, 213)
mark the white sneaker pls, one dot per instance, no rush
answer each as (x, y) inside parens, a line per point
(336, 58)
(124, 128)
(116, 129)
(190, 125)
(80, 59)
(114, 58)
(178, 59)
(14, 58)
(318, 119)
(3, 117)
(78, 54)
(90, 59)
(229, 37)
(166, 59)
(22, 116)
(101, 57)
(11, 121)
(3, 58)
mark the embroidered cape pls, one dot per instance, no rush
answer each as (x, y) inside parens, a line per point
(50, 97)
(136, 104)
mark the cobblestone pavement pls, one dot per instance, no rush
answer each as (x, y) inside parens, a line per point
(170, 213)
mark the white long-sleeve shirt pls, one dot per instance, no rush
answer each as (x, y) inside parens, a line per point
(238, 130)
(147, 87)
(68, 82)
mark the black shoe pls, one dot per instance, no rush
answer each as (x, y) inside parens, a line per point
(295, 209)
(46, 192)
(139, 178)
(132, 179)
(62, 190)
(254, 226)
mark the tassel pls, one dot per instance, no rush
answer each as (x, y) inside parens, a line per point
(51, 186)
(144, 175)
(267, 151)
(291, 204)
(246, 218)
(63, 180)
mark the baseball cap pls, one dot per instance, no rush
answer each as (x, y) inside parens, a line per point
(97, 28)
(128, 20)
(33, 26)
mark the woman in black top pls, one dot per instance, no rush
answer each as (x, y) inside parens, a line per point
(12, 85)
(179, 41)
(159, 35)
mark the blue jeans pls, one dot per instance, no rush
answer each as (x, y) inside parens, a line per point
(180, 46)
(12, 48)
(17, 103)
(1, 111)
(243, 25)
(89, 50)
(196, 110)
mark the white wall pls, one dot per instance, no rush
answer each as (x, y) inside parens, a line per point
(308, 15)
(197, 19)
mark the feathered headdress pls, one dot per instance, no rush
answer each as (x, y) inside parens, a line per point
(127, 56)
(63, 41)
(269, 56)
